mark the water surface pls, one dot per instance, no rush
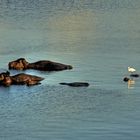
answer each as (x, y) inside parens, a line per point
(100, 39)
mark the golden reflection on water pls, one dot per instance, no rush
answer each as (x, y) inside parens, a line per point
(131, 83)
(77, 21)
(73, 30)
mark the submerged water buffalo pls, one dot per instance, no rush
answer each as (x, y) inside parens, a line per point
(19, 79)
(76, 84)
(42, 65)
(126, 79)
(134, 75)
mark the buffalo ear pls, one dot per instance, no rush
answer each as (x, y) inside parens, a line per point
(20, 61)
(8, 73)
(1, 77)
(25, 63)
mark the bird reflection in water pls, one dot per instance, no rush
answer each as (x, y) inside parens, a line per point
(131, 83)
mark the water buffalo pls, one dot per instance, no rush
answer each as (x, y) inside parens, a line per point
(42, 65)
(134, 75)
(126, 79)
(76, 84)
(19, 79)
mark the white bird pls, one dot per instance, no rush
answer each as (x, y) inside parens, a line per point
(130, 69)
